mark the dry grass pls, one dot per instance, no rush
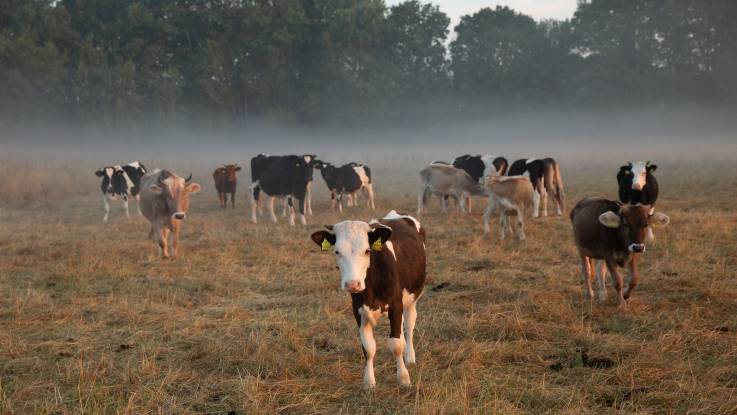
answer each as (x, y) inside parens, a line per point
(250, 319)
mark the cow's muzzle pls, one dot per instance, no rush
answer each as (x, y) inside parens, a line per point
(637, 248)
(353, 286)
(179, 215)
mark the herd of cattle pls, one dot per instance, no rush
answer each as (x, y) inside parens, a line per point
(382, 262)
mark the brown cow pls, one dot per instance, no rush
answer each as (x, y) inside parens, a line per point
(164, 202)
(513, 196)
(226, 182)
(610, 231)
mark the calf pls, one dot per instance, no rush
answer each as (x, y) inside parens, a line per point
(164, 202)
(610, 231)
(226, 183)
(446, 181)
(513, 196)
(479, 167)
(546, 179)
(281, 176)
(121, 181)
(382, 265)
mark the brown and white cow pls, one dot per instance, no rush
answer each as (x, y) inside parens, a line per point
(610, 231)
(446, 181)
(382, 265)
(164, 202)
(226, 183)
(512, 196)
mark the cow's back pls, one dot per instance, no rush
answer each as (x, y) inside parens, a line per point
(149, 200)
(409, 247)
(518, 168)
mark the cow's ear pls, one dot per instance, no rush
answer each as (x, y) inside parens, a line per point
(155, 189)
(658, 219)
(99, 173)
(193, 188)
(324, 239)
(651, 168)
(378, 236)
(610, 219)
(238, 168)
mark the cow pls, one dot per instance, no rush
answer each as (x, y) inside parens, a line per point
(513, 196)
(637, 185)
(164, 202)
(347, 180)
(613, 232)
(281, 176)
(446, 181)
(479, 167)
(382, 265)
(123, 181)
(226, 183)
(546, 179)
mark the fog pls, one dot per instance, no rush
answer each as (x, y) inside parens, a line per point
(684, 134)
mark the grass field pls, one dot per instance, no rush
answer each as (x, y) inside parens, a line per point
(250, 318)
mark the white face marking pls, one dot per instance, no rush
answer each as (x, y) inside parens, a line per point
(351, 248)
(639, 173)
(394, 215)
(307, 158)
(530, 161)
(135, 164)
(489, 169)
(362, 175)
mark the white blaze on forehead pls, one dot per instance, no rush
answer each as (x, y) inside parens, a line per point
(109, 171)
(489, 168)
(394, 215)
(307, 158)
(135, 164)
(361, 172)
(639, 172)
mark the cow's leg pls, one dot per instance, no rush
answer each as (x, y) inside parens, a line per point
(232, 199)
(291, 210)
(600, 267)
(468, 203)
(272, 215)
(138, 204)
(396, 341)
(634, 276)
(254, 204)
(125, 206)
(308, 199)
(220, 199)
(617, 277)
(162, 234)
(410, 316)
(536, 204)
(543, 197)
(521, 224)
(487, 213)
(588, 275)
(462, 202)
(286, 207)
(175, 227)
(302, 213)
(106, 203)
(369, 191)
(503, 219)
(366, 332)
(340, 201)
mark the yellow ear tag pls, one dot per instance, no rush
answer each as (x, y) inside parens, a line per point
(376, 246)
(326, 245)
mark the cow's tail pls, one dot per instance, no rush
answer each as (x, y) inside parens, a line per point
(559, 189)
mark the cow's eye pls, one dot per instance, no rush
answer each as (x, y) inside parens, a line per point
(337, 253)
(368, 252)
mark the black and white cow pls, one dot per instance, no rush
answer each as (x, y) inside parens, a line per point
(481, 166)
(347, 180)
(382, 264)
(281, 176)
(121, 181)
(546, 179)
(637, 185)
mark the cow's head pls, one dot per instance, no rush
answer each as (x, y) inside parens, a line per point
(175, 192)
(113, 180)
(631, 223)
(352, 242)
(637, 172)
(230, 171)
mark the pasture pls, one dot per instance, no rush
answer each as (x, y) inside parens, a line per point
(250, 318)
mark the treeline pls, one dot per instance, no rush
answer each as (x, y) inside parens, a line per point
(321, 60)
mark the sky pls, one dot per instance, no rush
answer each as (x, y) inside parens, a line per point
(538, 9)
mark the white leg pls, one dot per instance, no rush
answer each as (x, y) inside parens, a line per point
(410, 316)
(366, 332)
(370, 196)
(125, 206)
(138, 204)
(601, 280)
(272, 201)
(544, 197)
(521, 224)
(340, 201)
(285, 207)
(308, 199)
(396, 346)
(420, 197)
(291, 214)
(487, 214)
(536, 204)
(107, 208)
(502, 222)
